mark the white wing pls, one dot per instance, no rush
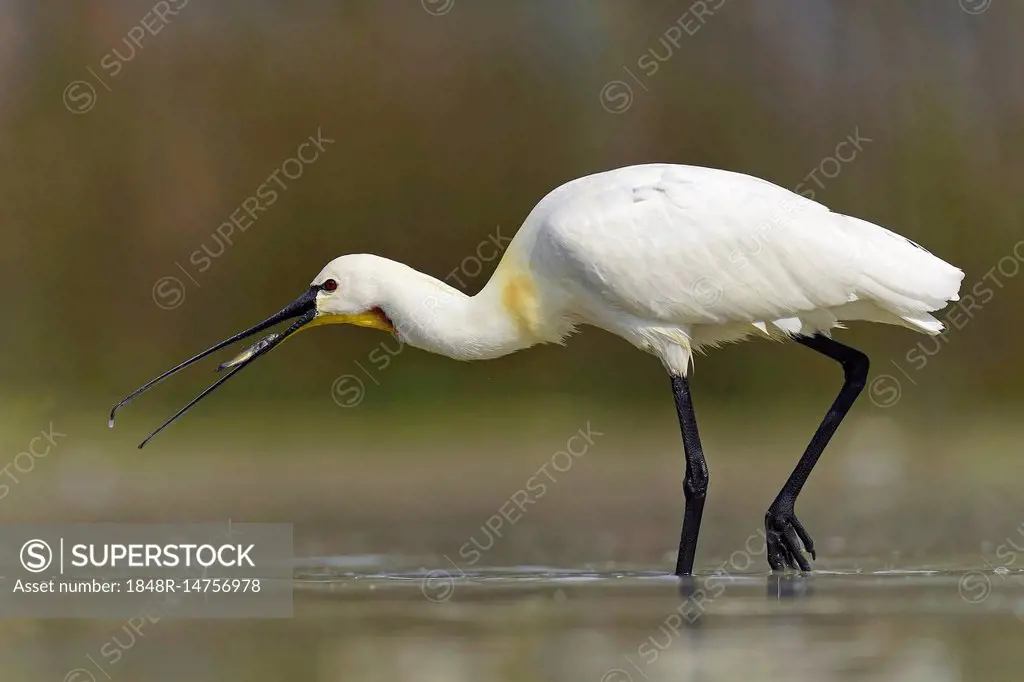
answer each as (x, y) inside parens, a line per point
(696, 246)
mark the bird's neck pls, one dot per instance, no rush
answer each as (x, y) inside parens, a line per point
(433, 316)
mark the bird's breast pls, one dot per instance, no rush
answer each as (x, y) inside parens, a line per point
(519, 296)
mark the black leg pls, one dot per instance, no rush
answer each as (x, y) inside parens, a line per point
(695, 482)
(782, 528)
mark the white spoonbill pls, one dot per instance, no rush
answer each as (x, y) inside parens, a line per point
(671, 258)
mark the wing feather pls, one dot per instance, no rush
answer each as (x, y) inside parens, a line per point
(691, 245)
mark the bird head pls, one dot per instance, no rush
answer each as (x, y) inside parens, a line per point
(346, 291)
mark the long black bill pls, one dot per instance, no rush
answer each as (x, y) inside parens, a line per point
(303, 308)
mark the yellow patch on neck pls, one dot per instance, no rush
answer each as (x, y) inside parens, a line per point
(520, 300)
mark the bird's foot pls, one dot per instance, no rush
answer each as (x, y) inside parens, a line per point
(784, 533)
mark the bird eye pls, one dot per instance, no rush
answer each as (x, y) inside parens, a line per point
(330, 285)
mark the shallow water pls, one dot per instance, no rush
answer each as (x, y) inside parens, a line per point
(404, 572)
(357, 619)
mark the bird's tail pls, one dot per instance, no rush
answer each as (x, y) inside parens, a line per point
(903, 278)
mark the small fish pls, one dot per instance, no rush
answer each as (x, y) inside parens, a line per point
(250, 352)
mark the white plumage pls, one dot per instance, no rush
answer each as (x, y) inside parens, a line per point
(672, 258)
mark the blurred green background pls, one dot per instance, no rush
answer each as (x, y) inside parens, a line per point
(447, 127)
(130, 132)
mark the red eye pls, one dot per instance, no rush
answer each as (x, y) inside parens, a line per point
(330, 285)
